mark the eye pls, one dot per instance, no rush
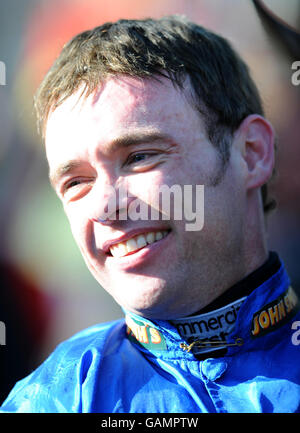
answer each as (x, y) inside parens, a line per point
(76, 188)
(72, 184)
(140, 157)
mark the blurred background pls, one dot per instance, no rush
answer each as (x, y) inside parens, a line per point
(46, 292)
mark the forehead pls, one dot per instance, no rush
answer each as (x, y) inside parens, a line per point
(120, 105)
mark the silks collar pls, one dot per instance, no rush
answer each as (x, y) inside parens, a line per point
(203, 333)
(224, 330)
(208, 332)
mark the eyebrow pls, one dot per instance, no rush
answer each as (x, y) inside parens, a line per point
(138, 138)
(62, 170)
(116, 144)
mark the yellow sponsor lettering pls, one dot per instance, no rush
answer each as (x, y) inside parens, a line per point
(155, 336)
(273, 313)
(290, 300)
(133, 327)
(129, 324)
(292, 297)
(256, 328)
(281, 310)
(142, 334)
(287, 303)
(264, 319)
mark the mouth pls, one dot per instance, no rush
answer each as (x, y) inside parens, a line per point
(136, 243)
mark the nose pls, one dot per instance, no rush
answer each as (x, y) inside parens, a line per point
(109, 202)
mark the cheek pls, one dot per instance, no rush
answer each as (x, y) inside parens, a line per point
(81, 229)
(162, 191)
(145, 186)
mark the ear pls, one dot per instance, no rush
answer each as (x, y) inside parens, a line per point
(257, 136)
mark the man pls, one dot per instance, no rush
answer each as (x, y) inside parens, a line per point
(134, 106)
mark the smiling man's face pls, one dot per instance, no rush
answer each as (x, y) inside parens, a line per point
(138, 135)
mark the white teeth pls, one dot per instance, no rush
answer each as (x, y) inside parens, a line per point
(158, 236)
(119, 250)
(135, 243)
(150, 237)
(131, 245)
(141, 241)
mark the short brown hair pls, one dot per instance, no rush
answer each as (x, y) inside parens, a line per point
(224, 92)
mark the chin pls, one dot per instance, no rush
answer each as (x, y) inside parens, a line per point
(143, 299)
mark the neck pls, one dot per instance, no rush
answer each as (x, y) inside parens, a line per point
(247, 284)
(222, 312)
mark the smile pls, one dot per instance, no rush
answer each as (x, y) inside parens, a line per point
(136, 243)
